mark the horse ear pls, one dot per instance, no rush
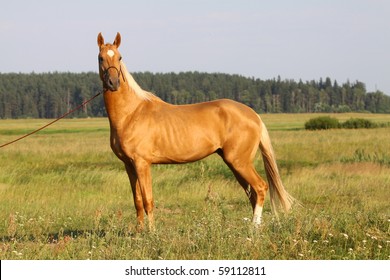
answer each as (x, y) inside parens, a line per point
(100, 40)
(117, 40)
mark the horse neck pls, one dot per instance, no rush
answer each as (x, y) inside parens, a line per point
(120, 104)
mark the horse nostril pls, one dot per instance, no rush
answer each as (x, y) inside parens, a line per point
(113, 84)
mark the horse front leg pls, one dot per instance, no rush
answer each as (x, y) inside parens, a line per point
(144, 174)
(137, 195)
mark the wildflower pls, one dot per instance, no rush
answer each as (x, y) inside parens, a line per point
(380, 246)
(300, 254)
(364, 241)
(345, 235)
(325, 241)
(330, 235)
(315, 241)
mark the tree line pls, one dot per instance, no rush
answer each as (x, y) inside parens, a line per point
(49, 95)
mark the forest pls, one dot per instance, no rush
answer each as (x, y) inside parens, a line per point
(49, 95)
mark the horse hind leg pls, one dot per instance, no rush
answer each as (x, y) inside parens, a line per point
(258, 191)
(243, 183)
(254, 186)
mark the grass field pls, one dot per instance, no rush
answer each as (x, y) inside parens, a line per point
(64, 195)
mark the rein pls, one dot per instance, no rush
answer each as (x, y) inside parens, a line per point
(50, 123)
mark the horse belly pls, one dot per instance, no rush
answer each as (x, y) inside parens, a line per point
(185, 147)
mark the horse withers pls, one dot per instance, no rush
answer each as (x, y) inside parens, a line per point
(146, 130)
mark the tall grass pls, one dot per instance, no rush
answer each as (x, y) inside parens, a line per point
(64, 195)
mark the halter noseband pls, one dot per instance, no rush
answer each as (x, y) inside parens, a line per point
(119, 71)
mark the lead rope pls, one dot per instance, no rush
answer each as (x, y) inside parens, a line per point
(56, 120)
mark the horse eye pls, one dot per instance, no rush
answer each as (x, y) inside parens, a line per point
(120, 58)
(100, 59)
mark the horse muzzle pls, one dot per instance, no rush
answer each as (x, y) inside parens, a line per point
(112, 78)
(112, 83)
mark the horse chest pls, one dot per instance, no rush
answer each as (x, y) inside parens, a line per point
(125, 147)
(116, 147)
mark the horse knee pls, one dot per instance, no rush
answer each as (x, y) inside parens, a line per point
(149, 205)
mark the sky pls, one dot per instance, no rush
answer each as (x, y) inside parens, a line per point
(345, 40)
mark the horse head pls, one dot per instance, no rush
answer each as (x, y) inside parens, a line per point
(109, 62)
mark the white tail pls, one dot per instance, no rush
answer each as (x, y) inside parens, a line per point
(276, 187)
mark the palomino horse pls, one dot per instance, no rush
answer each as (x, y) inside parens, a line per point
(146, 130)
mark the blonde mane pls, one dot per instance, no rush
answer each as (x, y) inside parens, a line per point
(143, 94)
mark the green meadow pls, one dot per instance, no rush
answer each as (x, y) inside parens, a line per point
(64, 195)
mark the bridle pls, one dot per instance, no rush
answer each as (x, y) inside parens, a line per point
(119, 72)
(105, 72)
